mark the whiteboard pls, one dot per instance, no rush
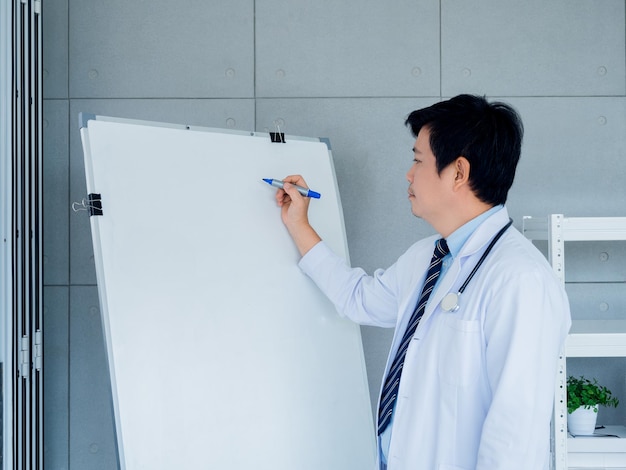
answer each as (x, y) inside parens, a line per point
(222, 353)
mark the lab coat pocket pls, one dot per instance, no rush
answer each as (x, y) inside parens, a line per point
(450, 467)
(460, 352)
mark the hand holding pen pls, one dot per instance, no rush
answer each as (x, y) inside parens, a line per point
(306, 192)
(294, 212)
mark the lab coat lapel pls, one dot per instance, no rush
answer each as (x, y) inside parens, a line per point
(477, 242)
(478, 239)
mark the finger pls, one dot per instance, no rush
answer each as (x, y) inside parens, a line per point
(295, 179)
(291, 191)
(280, 196)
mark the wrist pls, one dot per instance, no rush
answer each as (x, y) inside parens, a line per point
(305, 237)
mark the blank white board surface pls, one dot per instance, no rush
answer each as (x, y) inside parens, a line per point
(222, 353)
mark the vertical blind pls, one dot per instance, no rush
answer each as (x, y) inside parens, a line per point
(22, 203)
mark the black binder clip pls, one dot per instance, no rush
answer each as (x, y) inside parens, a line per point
(278, 137)
(93, 205)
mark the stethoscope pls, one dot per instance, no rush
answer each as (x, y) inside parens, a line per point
(450, 303)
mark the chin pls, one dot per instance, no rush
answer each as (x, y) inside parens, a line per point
(416, 213)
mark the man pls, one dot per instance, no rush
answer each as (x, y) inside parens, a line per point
(470, 378)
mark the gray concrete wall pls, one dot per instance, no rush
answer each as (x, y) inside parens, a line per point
(349, 71)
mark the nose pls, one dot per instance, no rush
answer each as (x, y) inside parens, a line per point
(409, 174)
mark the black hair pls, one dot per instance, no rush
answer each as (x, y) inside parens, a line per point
(488, 135)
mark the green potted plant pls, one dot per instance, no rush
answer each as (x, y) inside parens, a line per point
(583, 398)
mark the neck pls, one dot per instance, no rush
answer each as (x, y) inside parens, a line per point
(456, 219)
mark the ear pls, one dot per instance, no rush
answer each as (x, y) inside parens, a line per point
(461, 172)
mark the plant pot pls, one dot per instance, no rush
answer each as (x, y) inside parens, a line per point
(582, 421)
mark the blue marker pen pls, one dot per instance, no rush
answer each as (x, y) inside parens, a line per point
(304, 191)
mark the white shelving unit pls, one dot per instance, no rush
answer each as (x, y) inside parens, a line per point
(587, 338)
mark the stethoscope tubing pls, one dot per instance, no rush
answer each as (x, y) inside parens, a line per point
(450, 302)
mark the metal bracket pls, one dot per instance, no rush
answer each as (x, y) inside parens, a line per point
(38, 351)
(24, 364)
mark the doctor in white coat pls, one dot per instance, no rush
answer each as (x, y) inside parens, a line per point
(477, 378)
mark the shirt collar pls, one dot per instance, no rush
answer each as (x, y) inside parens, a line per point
(457, 239)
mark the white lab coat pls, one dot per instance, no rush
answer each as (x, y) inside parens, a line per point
(478, 384)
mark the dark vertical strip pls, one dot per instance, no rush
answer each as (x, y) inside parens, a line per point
(26, 229)
(37, 330)
(17, 54)
(13, 228)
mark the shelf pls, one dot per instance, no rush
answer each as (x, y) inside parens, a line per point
(596, 338)
(598, 451)
(577, 228)
(587, 338)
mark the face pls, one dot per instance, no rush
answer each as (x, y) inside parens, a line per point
(428, 190)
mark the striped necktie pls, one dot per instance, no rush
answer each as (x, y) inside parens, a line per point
(392, 382)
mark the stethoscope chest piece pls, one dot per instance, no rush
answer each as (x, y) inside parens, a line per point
(450, 303)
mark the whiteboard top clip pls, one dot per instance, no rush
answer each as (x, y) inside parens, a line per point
(278, 137)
